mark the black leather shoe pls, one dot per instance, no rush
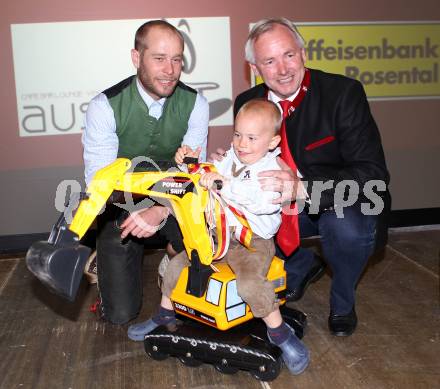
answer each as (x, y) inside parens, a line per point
(313, 275)
(342, 325)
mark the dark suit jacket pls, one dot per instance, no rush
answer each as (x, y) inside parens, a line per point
(332, 134)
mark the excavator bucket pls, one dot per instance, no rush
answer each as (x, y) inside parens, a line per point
(59, 262)
(59, 267)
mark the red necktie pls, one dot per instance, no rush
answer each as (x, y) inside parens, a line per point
(288, 235)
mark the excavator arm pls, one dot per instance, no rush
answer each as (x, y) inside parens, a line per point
(60, 261)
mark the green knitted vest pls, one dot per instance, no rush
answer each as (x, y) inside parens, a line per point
(141, 134)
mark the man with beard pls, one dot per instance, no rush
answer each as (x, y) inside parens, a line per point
(329, 137)
(150, 114)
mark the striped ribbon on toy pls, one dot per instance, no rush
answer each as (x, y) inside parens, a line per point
(215, 216)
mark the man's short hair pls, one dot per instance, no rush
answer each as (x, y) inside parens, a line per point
(142, 32)
(263, 26)
(259, 106)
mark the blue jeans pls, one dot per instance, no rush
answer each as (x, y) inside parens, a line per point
(347, 243)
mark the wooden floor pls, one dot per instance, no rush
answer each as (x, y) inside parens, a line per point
(48, 343)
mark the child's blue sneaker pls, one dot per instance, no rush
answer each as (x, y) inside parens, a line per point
(295, 354)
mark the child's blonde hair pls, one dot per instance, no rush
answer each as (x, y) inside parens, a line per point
(259, 106)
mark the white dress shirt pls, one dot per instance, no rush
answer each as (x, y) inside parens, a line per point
(100, 140)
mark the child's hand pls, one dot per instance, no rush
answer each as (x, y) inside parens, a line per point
(207, 179)
(186, 151)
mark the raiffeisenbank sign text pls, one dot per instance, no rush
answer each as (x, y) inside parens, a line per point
(392, 60)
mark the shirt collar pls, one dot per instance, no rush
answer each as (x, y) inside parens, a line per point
(146, 97)
(271, 154)
(274, 98)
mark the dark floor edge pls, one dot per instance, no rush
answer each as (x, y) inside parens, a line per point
(414, 217)
(19, 244)
(14, 244)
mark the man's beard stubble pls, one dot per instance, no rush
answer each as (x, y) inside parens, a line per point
(149, 87)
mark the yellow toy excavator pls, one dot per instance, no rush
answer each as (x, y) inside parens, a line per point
(204, 293)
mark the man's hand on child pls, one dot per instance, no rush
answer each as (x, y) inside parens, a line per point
(284, 181)
(217, 155)
(186, 151)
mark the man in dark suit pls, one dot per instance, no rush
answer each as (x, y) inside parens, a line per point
(339, 169)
